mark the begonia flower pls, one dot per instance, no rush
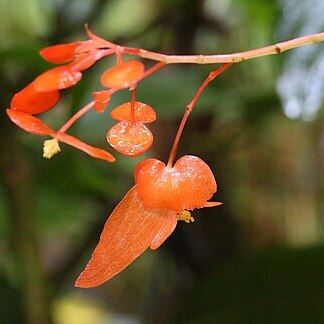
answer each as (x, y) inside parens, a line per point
(143, 220)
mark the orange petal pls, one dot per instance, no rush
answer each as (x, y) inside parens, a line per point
(130, 139)
(143, 113)
(101, 99)
(58, 78)
(123, 75)
(128, 232)
(61, 53)
(91, 150)
(166, 230)
(31, 101)
(29, 123)
(189, 184)
(213, 204)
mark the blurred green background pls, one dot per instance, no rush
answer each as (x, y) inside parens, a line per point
(259, 257)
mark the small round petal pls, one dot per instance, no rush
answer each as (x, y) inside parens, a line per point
(29, 123)
(91, 150)
(123, 75)
(101, 100)
(130, 139)
(31, 101)
(58, 78)
(61, 53)
(185, 186)
(143, 113)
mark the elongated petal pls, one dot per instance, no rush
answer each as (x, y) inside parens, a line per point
(166, 230)
(58, 78)
(213, 204)
(61, 53)
(128, 232)
(91, 150)
(29, 123)
(31, 101)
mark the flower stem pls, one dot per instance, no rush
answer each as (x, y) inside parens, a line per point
(212, 75)
(224, 58)
(75, 117)
(132, 108)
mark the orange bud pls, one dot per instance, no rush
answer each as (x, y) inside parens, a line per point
(101, 100)
(123, 75)
(60, 53)
(58, 78)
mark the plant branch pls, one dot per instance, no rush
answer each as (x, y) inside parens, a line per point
(224, 58)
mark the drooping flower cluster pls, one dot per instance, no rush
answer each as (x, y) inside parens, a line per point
(43, 93)
(162, 194)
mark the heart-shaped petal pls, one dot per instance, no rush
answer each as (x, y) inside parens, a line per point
(130, 139)
(143, 112)
(185, 186)
(123, 75)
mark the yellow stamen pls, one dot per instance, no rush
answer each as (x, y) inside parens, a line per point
(185, 216)
(50, 148)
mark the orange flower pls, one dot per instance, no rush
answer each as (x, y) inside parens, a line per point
(138, 222)
(130, 136)
(35, 126)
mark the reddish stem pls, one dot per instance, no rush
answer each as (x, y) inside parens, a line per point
(119, 52)
(212, 75)
(75, 117)
(153, 69)
(132, 108)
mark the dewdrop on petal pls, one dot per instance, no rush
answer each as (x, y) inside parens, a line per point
(50, 148)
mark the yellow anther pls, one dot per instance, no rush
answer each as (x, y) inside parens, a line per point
(185, 216)
(50, 148)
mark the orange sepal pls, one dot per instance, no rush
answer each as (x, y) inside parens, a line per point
(185, 186)
(101, 100)
(91, 150)
(60, 53)
(130, 139)
(29, 123)
(123, 75)
(129, 231)
(31, 101)
(143, 113)
(58, 78)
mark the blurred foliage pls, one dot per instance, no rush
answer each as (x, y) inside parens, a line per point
(269, 170)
